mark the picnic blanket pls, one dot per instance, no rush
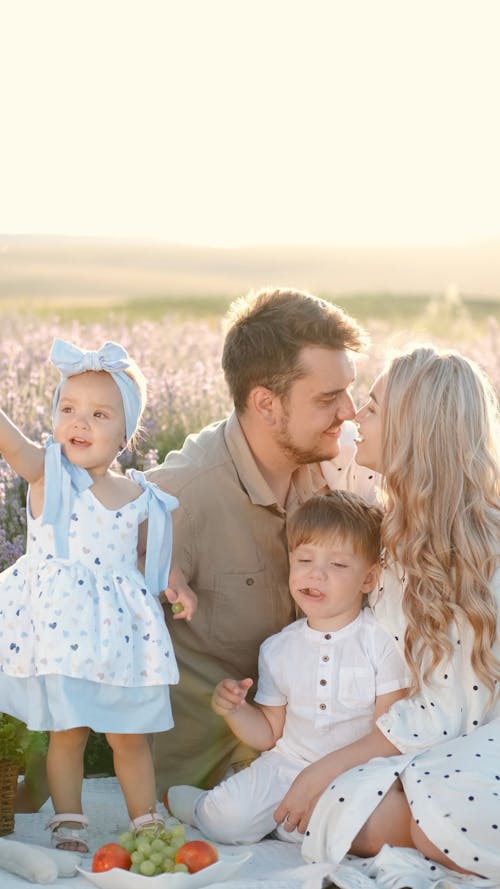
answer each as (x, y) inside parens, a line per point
(274, 864)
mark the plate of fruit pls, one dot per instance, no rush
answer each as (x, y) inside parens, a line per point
(161, 858)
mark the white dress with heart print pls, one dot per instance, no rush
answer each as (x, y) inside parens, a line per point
(83, 642)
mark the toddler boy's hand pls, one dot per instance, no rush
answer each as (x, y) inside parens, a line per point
(229, 695)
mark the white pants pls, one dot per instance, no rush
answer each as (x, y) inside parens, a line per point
(240, 809)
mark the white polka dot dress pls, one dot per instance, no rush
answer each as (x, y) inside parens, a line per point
(454, 794)
(449, 735)
(82, 639)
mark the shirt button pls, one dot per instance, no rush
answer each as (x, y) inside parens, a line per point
(322, 706)
(249, 581)
(328, 636)
(322, 681)
(325, 658)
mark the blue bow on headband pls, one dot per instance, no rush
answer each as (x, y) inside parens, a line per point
(112, 358)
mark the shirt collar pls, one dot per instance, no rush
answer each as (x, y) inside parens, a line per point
(332, 636)
(306, 480)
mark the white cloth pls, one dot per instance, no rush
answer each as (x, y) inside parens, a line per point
(450, 769)
(328, 682)
(271, 866)
(82, 640)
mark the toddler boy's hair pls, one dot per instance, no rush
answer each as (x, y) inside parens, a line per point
(340, 516)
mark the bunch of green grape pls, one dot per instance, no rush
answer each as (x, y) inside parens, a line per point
(153, 850)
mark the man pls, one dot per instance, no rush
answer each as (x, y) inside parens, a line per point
(288, 364)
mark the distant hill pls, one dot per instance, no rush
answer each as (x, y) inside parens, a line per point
(32, 267)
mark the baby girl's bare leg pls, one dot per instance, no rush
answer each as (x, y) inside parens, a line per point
(65, 769)
(135, 772)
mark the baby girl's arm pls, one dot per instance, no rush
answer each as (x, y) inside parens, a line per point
(141, 546)
(178, 592)
(24, 456)
(183, 599)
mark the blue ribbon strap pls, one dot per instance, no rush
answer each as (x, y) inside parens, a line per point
(159, 539)
(62, 482)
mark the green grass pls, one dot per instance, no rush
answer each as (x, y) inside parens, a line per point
(434, 314)
(400, 309)
(97, 310)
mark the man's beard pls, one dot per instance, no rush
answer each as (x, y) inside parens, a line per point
(299, 456)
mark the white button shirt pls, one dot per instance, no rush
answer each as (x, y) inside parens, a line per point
(328, 682)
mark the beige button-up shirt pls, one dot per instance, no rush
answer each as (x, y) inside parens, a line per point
(229, 540)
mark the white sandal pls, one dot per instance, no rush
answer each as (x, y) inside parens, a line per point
(72, 839)
(151, 820)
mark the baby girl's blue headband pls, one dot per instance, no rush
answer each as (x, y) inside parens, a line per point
(70, 360)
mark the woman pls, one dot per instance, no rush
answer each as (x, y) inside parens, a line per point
(431, 428)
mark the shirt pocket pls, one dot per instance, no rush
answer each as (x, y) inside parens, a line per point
(356, 687)
(246, 610)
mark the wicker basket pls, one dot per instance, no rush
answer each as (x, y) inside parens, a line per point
(8, 785)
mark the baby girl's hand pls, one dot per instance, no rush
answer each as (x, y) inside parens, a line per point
(229, 695)
(183, 600)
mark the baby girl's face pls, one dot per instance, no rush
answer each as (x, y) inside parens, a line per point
(89, 421)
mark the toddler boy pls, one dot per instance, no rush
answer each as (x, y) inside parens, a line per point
(323, 680)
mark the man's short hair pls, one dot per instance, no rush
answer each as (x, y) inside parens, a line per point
(337, 516)
(265, 332)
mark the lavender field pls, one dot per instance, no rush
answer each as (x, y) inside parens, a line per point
(181, 361)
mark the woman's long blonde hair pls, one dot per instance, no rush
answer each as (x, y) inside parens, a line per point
(442, 489)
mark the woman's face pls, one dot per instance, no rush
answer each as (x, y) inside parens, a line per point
(369, 422)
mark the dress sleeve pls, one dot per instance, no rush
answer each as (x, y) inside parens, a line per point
(159, 539)
(391, 671)
(169, 477)
(453, 702)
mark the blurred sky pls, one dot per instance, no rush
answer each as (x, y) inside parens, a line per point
(230, 122)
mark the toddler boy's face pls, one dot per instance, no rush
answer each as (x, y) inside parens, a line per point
(328, 582)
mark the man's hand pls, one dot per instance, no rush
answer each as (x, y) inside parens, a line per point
(229, 695)
(296, 807)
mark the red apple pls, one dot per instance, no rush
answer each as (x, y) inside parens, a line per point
(196, 854)
(111, 855)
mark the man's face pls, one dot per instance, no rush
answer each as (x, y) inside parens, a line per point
(312, 413)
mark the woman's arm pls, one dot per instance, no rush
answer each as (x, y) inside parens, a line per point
(24, 456)
(297, 805)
